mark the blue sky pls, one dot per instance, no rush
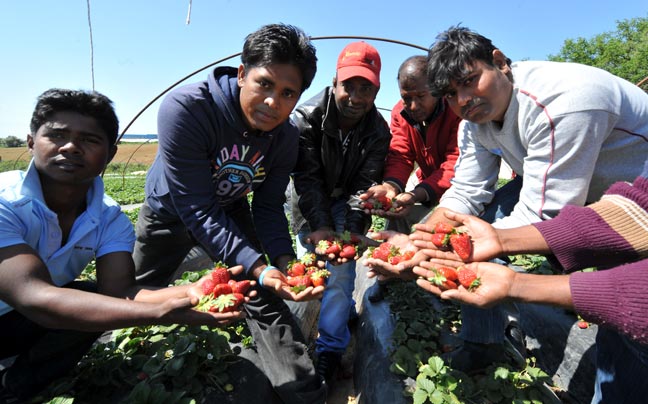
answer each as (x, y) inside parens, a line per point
(141, 47)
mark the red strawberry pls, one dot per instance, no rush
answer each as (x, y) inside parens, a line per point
(468, 278)
(318, 278)
(348, 251)
(462, 245)
(440, 240)
(334, 248)
(380, 254)
(448, 273)
(220, 275)
(442, 227)
(222, 289)
(395, 259)
(227, 303)
(296, 268)
(583, 324)
(368, 205)
(408, 255)
(385, 202)
(299, 283)
(241, 286)
(208, 286)
(444, 278)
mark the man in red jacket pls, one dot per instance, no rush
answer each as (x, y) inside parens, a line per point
(424, 133)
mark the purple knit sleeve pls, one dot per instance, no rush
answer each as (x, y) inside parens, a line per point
(615, 298)
(580, 238)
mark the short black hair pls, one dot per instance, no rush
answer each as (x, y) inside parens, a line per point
(281, 44)
(88, 103)
(416, 63)
(454, 51)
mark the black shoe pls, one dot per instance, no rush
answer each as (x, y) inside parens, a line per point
(328, 364)
(473, 357)
(377, 293)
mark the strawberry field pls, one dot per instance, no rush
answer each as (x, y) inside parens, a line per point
(178, 364)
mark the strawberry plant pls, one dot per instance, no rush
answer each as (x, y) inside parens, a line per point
(423, 324)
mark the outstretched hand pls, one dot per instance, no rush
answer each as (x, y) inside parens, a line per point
(276, 281)
(486, 244)
(496, 283)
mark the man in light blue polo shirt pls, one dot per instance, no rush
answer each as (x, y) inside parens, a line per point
(54, 219)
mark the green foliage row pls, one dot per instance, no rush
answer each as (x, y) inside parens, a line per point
(417, 346)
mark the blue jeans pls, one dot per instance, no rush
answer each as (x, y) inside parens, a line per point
(486, 326)
(337, 301)
(621, 369)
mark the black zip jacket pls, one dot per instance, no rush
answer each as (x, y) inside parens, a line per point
(322, 167)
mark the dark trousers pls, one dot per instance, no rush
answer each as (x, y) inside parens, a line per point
(43, 354)
(161, 246)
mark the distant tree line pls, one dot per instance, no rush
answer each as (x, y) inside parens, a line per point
(12, 141)
(623, 52)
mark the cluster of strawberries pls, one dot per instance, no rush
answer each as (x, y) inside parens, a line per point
(450, 278)
(220, 293)
(304, 272)
(390, 253)
(345, 245)
(446, 237)
(378, 203)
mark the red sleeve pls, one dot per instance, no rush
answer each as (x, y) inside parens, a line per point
(402, 154)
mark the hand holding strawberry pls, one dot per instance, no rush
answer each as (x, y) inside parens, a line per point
(220, 293)
(340, 248)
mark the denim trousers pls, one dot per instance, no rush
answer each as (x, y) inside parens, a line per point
(337, 301)
(42, 354)
(486, 326)
(621, 369)
(283, 357)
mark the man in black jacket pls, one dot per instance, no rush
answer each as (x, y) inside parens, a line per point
(342, 148)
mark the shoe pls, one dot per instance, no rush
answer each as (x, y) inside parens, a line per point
(472, 357)
(328, 364)
(515, 343)
(378, 293)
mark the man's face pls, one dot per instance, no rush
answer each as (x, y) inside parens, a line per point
(354, 98)
(417, 100)
(70, 148)
(268, 94)
(483, 94)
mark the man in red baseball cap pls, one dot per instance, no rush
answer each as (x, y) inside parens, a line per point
(342, 148)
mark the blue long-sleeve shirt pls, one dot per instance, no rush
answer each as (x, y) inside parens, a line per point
(207, 161)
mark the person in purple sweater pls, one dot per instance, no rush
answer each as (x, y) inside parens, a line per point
(220, 140)
(611, 234)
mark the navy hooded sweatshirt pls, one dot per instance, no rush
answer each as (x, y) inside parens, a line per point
(207, 161)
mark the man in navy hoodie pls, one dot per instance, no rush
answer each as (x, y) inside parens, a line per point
(220, 140)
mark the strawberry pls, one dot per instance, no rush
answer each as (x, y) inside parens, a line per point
(385, 203)
(448, 273)
(241, 286)
(395, 259)
(462, 245)
(408, 255)
(582, 324)
(440, 240)
(296, 268)
(222, 289)
(227, 303)
(368, 205)
(299, 283)
(468, 278)
(208, 286)
(348, 251)
(308, 259)
(380, 254)
(334, 248)
(318, 278)
(220, 275)
(444, 278)
(442, 227)
(322, 246)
